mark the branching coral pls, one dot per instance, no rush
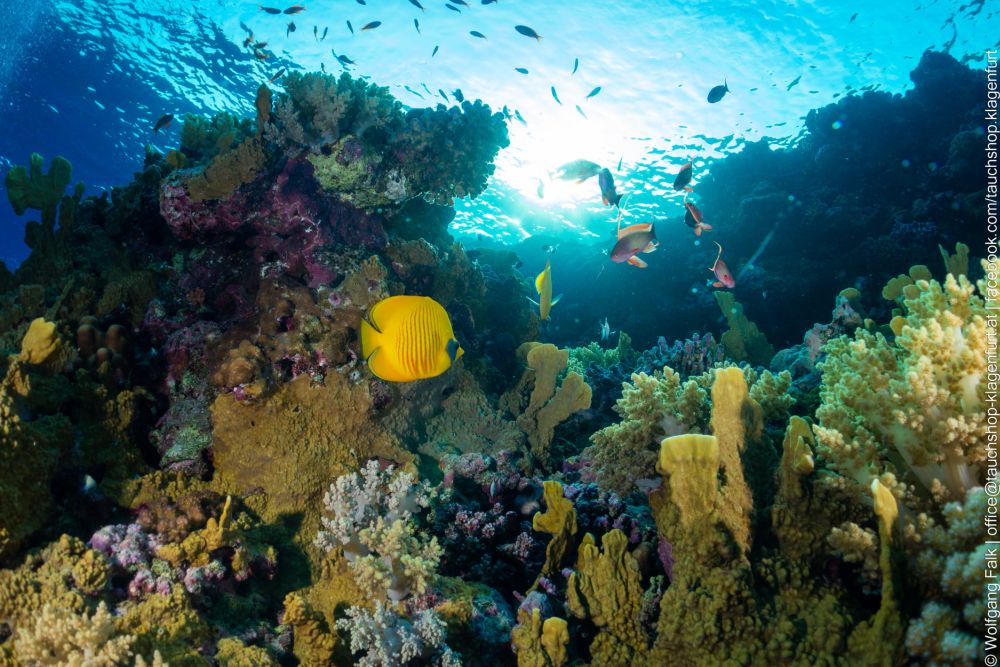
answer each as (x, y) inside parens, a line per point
(914, 408)
(58, 636)
(386, 639)
(371, 517)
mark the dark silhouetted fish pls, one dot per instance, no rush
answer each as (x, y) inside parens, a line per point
(461, 2)
(794, 83)
(417, 4)
(489, 2)
(416, 24)
(520, 118)
(555, 95)
(427, 89)
(684, 178)
(522, 70)
(281, 73)
(371, 26)
(576, 65)
(594, 92)
(528, 32)
(164, 121)
(853, 16)
(269, 10)
(457, 94)
(350, 27)
(580, 111)
(609, 195)
(434, 52)
(290, 29)
(453, 8)
(295, 9)
(316, 32)
(361, 2)
(577, 170)
(718, 92)
(476, 33)
(414, 92)
(442, 94)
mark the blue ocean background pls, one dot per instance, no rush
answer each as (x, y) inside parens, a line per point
(87, 79)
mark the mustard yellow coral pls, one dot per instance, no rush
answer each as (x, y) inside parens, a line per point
(537, 643)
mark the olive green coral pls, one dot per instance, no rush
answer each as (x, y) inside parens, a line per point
(743, 341)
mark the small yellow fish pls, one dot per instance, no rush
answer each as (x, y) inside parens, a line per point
(408, 338)
(543, 285)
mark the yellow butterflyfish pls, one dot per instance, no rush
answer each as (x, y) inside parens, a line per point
(543, 285)
(408, 338)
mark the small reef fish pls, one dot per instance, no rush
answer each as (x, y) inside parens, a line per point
(295, 9)
(580, 111)
(550, 249)
(260, 45)
(350, 27)
(162, 122)
(631, 241)
(620, 163)
(290, 30)
(684, 178)
(281, 73)
(520, 118)
(434, 52)
(325, 30)
(522, 70)
(408, 338)
(795, 82)
(528, 32)
(577, 170)
(461, 2)
(416, 3)
(416, 24)
(606, 330)
(489, 2)
(576, 65)
(371, 26)
(723, 276)
(717, 93)
(260, 55)
(414, 92)
(248, 41)
(694, 219)
(453, 8)
(316, 32)
(853, 16)
(362, 2)
(476, 33)
(442, 94)
(543, 285)
(594, 92)
(609, 195)
(458, 95)
(555, 95)
(269, 10)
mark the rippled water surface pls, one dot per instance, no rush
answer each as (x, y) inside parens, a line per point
(88, 78)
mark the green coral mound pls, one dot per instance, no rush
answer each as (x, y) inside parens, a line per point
(32, 189)
(203, 138)
(370, 152)
(318, 109)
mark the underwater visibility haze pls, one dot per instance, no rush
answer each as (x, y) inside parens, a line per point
(495, 332)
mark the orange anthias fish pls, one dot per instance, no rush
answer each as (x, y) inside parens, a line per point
(631, 241)
(723, 276)
(694, 219)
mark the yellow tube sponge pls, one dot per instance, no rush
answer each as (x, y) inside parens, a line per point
(537, 643)
(559, 521)
(692, 461)
(42, 346)
(607, 589)
(730, 406)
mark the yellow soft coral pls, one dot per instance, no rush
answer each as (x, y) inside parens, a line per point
(58, 636)
(537, 643)
(559, 521)
(42, 346)
(914, 407)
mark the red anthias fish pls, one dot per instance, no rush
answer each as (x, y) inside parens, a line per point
(694, 219)
(631, 241)
(609, 195)
(723, 276)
